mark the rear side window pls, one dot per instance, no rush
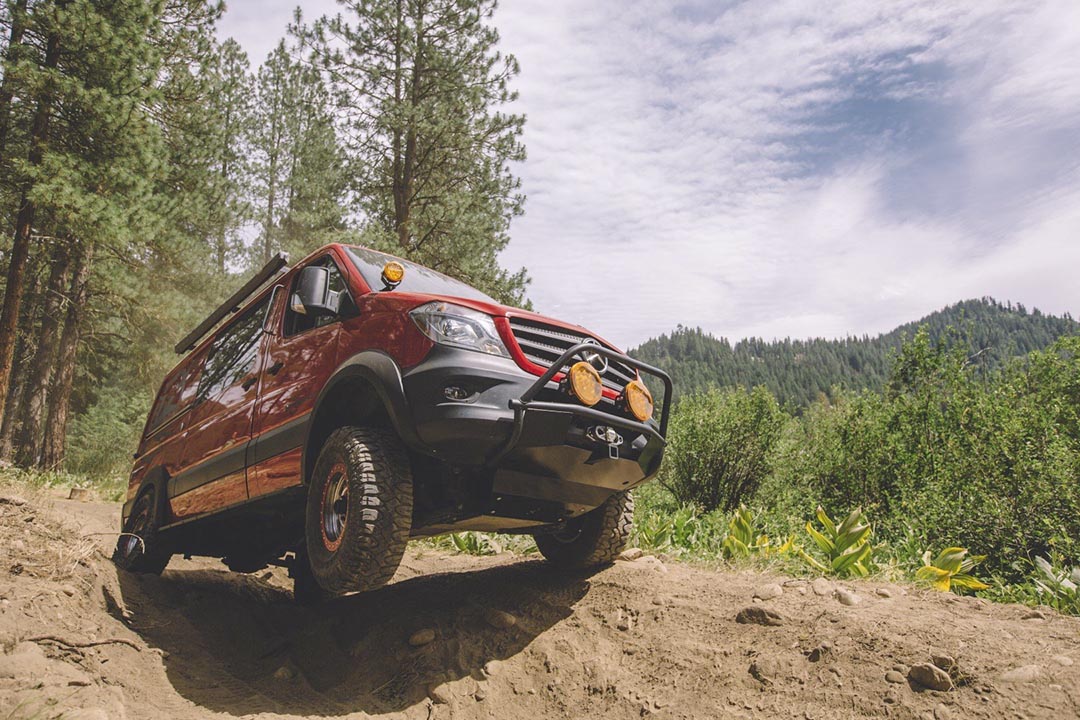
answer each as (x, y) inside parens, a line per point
(175, 394)
(233, 353)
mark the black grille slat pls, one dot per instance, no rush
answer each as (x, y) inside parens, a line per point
(543, 345)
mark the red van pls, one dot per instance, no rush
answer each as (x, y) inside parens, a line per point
(328, 412)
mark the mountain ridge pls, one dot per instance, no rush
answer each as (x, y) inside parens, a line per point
(800, 371)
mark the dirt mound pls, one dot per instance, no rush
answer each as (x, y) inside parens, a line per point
(503, 637)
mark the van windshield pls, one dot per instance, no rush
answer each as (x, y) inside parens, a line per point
(418, 279)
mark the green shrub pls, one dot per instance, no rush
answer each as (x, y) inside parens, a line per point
(952, 567)
(846, 548)
(1058, 586)
(720, 447)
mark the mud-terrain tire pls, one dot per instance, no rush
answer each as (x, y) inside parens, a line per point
(359, 510)
(139, 549)
(595, 538)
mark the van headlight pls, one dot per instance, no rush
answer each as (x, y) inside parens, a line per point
(457, 326)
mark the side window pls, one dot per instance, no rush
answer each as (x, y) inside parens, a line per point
(174, 395)
(233, 353)
(296, 323)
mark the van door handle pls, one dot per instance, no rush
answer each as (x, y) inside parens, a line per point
(275, 368)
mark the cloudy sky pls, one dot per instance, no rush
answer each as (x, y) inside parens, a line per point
(780, 168)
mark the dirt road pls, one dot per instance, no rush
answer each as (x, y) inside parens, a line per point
(642, 638)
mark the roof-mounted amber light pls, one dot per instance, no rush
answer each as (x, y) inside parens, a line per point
(585, 383)
(393, 273)
(638, 400)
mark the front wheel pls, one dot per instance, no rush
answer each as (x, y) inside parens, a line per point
(359, 510)
(595, 538)
(139, 549)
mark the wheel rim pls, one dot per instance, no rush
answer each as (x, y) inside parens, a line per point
(132, 540)
(335, 507)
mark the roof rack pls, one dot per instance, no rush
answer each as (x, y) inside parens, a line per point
(270, 270)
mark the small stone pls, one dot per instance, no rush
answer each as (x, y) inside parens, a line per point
(768, 592)
(883, 592)
(631, 554)
(1033, 615)
(942, 660)
(755, 615)
(284, 673)
(78, 493)
(820, 651)
(12, 500)
(421, 637)
(480, 693)
(900, 668)
(847, 597)
(18, 546)
(801, 589)
(499, 619)
(941, 712)
(1063, 660)
(1022, 674)
(651, 561)
(492, 668)
(68, 590)
(894, 677)
(440, 694)
(930, 676)
(822, 587)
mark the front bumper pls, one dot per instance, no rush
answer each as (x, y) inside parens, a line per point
(529, 437)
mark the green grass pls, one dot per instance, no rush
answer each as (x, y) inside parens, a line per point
(111, 489)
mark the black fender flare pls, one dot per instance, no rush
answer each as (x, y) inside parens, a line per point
(381, 373)
(159, 479)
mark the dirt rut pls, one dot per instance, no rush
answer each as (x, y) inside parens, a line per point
(509, 638)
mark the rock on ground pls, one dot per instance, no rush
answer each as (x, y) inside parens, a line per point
(930, 676)
(755, 615)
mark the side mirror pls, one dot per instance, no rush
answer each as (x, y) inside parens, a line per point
(313, 295)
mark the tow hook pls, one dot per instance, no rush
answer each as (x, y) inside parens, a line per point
(607, 435)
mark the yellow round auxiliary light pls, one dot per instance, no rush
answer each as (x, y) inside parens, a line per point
(585, 383)
(393, 273)
(638, 400)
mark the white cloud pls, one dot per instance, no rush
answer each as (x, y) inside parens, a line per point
(789, 168)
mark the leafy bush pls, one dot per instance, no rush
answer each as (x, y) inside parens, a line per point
(987, 461)
(952, 566)
(846, 548)
(743, 539)
(685, 532)
(720, 447)
(1058, 586)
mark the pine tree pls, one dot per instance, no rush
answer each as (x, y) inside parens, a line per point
(422, 87)
(299, 179)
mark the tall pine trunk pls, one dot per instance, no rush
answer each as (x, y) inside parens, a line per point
(28, 443)
(24, 221)
(23, 350)
(53, 445)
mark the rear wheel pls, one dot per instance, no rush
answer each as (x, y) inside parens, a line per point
(359, 511)
(139, 549)
(595, 538)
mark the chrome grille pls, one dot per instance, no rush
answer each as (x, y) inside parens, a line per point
(543, 344)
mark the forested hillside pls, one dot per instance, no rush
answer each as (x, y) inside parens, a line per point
(799, 371)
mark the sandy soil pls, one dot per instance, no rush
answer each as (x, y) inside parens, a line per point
(640, 639)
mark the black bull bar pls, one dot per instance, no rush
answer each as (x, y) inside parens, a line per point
(528, 400)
